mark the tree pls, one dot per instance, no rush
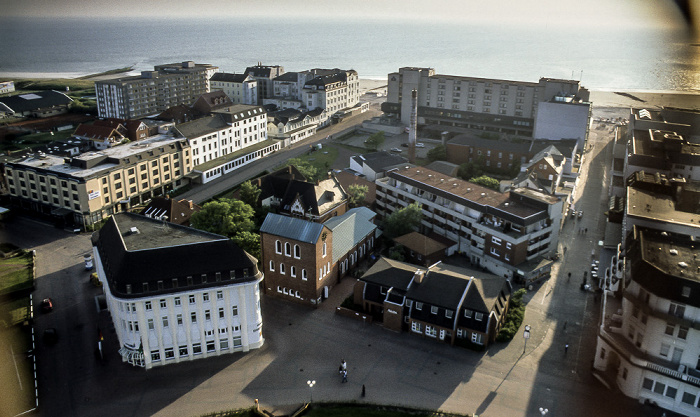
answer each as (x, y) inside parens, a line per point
(486, 181)
(249, 242)
(403, 221)
(438, 153)
(249, 193)
(469, 170)
(305, 168)
(375, 140)
(357, 193)
(397, 253)
(225, 217)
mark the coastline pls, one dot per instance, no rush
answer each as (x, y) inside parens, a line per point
(600, 98)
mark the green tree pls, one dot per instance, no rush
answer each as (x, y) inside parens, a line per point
(469, 170)
(249, 193)
(249, 242)
(375, 140)
(403, 221)
(438, 153)
(305, 168)
(225, 217)
(397, 253)
(486, 181)
(357, 193)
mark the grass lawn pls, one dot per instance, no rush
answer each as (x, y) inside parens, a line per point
(16, 273)
(59, 84)
(34, 140)
(322, 158)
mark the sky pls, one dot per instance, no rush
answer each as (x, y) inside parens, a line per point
(578, 13)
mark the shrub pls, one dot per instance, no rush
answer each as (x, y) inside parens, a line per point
(514, 318)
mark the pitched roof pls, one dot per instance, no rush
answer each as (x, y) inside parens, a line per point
(287, 76)
(210, 101)
(349, 229)
(174, 211)
(202, 126)
(316, 199)
(444, 167)
(421, 244)
(379, 161)
(347, 179)
(229, 78)
(443, 285)
(391, 274)
(97, 132)
(292, 228)
(38, 100)
(135, 249)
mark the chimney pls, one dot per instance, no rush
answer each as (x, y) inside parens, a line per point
(191, 204)
(418, 276)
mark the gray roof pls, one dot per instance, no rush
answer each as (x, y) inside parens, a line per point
(201, 126)
(379, 161)
(32, 101)
(291, 228)
(349, 229)
(287, 76)
(229, 78)
(444, 167)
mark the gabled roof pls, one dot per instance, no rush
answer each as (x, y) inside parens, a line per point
(292, 228)
(97, 132)
(178, 212)
(443, 285)
(444, 167)
(389, 273)
(202, 126)
(379, 161)
(38, 100)
(287, 76)
(316, 199)
(211, 101)
(349, 229)
(135, 249)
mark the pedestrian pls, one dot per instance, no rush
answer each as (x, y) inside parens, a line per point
(343, 365)
(586, 230)
(345, 375)
(363, 390)
(566, 348)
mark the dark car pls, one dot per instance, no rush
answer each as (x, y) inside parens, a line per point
(50, 336)
(46, 305)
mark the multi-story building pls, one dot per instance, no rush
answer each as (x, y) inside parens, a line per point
(649, 344)
(662, 151)
(153, 92)
(304, 260)
(511, 233)
(441, 302)
(264, 74)
(227, 139)
(291, 125)
(83, 189)
(332, 90)
(240, 88)
(503, 106)
(176, 293)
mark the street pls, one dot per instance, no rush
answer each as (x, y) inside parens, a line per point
(302, 344)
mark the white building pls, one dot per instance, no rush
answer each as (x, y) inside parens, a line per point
(649, 343)
(240, 88)
(176, 293)
(227, 139)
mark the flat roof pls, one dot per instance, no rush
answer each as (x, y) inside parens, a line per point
(154, 234)
(659, 207)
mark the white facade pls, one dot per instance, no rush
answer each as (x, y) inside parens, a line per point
(239, 91)
(186, 325)
(216, 168)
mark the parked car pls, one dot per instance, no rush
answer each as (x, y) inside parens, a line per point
(405, 145)
(396, 150)
(420, 145)
(46, 305)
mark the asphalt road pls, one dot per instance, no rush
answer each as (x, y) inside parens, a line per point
(302, 344)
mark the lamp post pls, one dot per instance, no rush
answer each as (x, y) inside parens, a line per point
(311, 384)
(526, 335)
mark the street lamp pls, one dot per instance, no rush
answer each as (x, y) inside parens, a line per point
(311, 385)
(543, 411)
(526, 335)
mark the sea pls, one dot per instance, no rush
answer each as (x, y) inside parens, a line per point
(602, 58)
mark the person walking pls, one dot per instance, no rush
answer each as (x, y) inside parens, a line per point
(343, 365)
(345, 376)
(566, 348)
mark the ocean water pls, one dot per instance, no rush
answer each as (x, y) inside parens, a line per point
(602, 58)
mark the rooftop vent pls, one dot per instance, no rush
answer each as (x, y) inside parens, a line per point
(134, 231)
(673, 252)
(682, 264)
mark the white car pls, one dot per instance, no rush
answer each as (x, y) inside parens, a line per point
(420, 145)
(396, 150)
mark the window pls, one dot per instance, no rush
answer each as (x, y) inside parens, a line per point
(155, 356)
(671, 392)
(179, 319)
(223, 343)
(433, 310)
(282, 269)
(272, 266)
(665, 348)
(686, 292)
(676, 310)
(324, 249)
(287, 249)
(477, 338)
(303, 275)
(430, 331)
(237, 342)
(647, 384)
(670, 327)
(197, 348)
(495, 240)
(478, 316)
(219, 295)
(221, 312)
(205, 297)
(169, 353)
(182, 350)
(416, 327)
(293, 271)
(151, 324)
(659, 387)
(193, 316)
(688, 398)
(165, 321)
(468, 313)
(448, 314)
(234, 310)
(419, 306)
(204, 278)
(682, 332)
(207, 315)
(278, 246)
(147, 305)
(191, 299)
(163, 304)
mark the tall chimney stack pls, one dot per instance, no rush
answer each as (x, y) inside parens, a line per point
(412, 133)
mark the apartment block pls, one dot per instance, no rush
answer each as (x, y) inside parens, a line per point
(175, 293)
(548, 109)
(240, 88)
(83, 189)
(153, 92)
(513, 234)
(649, 342)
